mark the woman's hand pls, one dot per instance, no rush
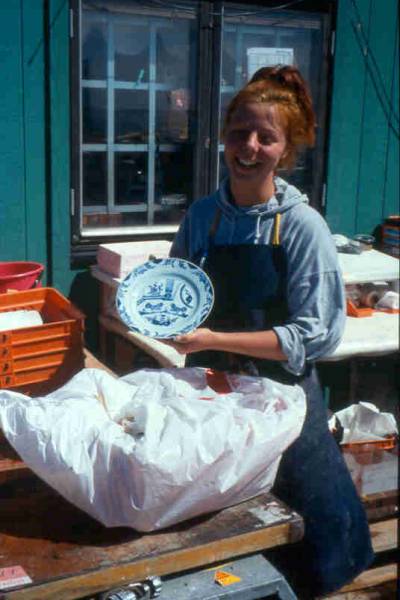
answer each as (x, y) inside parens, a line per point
(200, 339)
(260, 344)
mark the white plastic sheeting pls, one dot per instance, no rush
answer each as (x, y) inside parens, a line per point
(155, 447)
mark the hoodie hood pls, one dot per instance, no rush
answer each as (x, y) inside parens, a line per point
(285, 197)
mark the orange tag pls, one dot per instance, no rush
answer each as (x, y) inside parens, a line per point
(223, 578)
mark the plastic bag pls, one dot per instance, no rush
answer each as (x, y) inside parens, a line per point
(156, 447)
(365, 422)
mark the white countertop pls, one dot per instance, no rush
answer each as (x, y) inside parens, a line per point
(368, 266)
(368, 336)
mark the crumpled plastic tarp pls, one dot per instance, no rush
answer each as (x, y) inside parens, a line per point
(365, 422)
(156, 447)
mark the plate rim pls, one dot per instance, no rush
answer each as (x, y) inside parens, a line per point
(160, 261)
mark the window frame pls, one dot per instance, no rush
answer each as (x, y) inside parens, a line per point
(206, 136)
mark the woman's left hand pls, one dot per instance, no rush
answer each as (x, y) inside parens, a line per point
(200, 339)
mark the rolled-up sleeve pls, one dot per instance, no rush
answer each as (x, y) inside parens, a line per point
(315, 293)
(317, 317)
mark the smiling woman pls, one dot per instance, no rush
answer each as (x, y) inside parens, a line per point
(255, 144)
(279, 305)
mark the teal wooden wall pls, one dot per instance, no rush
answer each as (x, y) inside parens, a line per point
(363, 160)
(363, 174)
(35, 140)
(22, 139)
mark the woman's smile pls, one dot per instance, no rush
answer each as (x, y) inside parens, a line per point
(254, 144)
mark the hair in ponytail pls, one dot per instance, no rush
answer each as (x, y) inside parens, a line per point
(284, 87)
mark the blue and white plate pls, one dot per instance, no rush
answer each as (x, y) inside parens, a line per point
(165, 297)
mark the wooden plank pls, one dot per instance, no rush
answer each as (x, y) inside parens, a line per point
(91, 362)
(384, 591)
(381, 505)
(34, 130)
(369, 579)
(392, 175)
(12, 164)
(58, 30)
(165, 355)
(378, 56)
(73, 555)
(346, 121)
(384, 535)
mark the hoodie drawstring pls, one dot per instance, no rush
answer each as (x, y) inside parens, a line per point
(258, 230)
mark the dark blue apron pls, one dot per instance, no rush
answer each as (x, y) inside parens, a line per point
(250, 295)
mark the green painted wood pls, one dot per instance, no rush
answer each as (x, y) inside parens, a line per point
(391, 202)
(347, 113)
(61, 276)
(34, 130)
(12, 163)
(378, 53)
(363, 173)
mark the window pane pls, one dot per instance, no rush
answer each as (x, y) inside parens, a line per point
(131, 44)
(131, 116)
(130, 178)
(252, 39)
(173, 53)
(95, 178)
(138, 96)
(173, 114)
(174, 182)
(94, 109)
(94, 50)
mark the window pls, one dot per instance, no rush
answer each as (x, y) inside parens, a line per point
(259, 37)
(148, 79)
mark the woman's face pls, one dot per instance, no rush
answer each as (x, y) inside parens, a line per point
(254, 144)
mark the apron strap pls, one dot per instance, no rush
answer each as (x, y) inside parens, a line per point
(276, 230)
(211, 235)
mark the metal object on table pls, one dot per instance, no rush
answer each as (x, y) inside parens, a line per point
(142, 590)
(255, 579)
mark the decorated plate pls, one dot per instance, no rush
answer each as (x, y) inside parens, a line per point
(165, 297)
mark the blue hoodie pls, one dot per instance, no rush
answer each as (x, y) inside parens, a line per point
(315, 289)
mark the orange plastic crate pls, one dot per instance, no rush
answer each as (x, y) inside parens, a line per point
(44, 356)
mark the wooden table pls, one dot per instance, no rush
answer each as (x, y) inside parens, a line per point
(69, 555)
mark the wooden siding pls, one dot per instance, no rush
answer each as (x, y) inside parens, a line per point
(22, 174)
(12, 163)
(59, 107)
(363, 164)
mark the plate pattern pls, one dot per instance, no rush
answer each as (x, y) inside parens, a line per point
(165, 297)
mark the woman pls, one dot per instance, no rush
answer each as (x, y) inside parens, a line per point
(279, 305)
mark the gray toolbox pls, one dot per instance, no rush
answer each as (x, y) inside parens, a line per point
(258, 580)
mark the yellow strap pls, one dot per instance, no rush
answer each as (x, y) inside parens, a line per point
(277, 225)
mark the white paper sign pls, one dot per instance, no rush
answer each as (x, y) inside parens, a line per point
(267, 57)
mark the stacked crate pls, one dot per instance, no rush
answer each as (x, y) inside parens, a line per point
(38, 359)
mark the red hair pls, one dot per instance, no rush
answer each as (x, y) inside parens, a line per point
(281, 86)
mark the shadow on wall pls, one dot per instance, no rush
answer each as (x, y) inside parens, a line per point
(84, 294)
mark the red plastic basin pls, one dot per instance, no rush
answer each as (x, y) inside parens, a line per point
(19, 275)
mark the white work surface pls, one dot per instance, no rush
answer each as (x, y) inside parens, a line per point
(368, 266)
(368, 336)
(364, 336)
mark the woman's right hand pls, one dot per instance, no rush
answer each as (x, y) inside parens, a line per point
(196, 341)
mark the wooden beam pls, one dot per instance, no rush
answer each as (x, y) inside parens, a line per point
(384, 535)
(367, 580)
